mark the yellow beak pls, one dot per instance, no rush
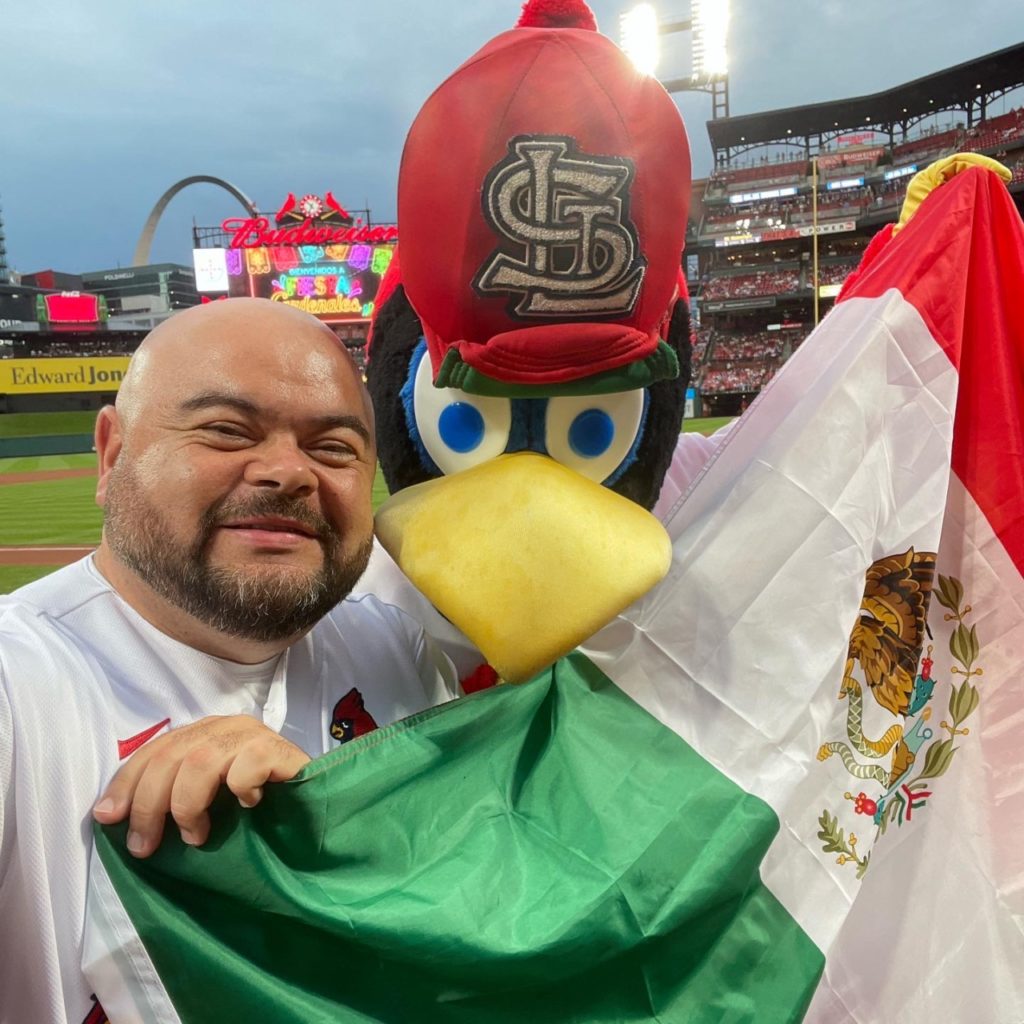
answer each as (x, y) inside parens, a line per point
(526, 557)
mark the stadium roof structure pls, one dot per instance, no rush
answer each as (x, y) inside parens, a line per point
(969, 87)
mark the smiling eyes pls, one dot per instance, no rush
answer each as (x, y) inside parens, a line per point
(592, 434)
(235, 436)
(228, 430)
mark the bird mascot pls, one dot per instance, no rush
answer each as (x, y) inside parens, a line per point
(747, 759)
(530, 351)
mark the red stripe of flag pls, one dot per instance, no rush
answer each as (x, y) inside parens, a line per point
(977, 318)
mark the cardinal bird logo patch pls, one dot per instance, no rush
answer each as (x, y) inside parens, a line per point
(97, 1015)
(350, 718)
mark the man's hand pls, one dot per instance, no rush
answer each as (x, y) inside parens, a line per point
(181, 772)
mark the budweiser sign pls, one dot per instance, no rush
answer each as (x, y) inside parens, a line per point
(254, 232)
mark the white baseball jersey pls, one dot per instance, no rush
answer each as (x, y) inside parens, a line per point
(85, 681)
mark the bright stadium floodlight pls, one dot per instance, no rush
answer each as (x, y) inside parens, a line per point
(638, 36)
(710, 29)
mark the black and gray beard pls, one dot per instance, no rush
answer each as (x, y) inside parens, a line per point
(254, 602)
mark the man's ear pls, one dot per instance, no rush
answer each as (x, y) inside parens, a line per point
(109, 440)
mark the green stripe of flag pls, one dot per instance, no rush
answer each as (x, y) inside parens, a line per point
(543, 853)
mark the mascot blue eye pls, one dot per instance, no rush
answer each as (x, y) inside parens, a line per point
(457, 430)
(461, 427)
(591, 433)
(595, 435)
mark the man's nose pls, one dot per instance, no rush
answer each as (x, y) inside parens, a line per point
(282, 465)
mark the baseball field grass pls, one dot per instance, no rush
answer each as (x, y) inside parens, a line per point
(707, 425)
(46, 424)
(61, 511)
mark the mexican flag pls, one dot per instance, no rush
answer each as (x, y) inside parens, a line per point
(783, 786)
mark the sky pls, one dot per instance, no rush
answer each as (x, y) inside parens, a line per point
(106, 104)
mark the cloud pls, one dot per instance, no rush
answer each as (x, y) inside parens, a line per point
(107, 104)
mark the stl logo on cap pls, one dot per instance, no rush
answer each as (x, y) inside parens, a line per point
(542, 242)
(570, 246)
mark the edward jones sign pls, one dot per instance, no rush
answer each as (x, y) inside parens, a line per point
(54, 376)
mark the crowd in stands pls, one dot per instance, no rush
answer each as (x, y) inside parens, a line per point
(732, 348)
(701, 338)
(993, 135)
(891, 191)
(995, 131)
(732, 362)
(44, 348)
(834, 205)
(765, 282)
(988, 134)
(780, 213)
(760, 217)
(774, 282)
(924, 145)
(834, 273)
(739, 362)
(750, 377)
(764, 171)
(1017, 169)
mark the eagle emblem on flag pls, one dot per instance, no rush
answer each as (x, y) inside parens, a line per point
(887, 643)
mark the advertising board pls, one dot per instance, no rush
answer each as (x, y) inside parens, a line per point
(335, 283)
(61, 375)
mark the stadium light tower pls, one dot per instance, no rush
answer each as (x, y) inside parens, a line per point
(640, 30)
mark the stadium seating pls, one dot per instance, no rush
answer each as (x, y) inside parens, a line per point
(738, 378)
(43, 347)
(760, 346)
(763, 172)
(926, 144)
(995, 131)
(731, 362)
(765, 282)
(833, 273)
(701, 341)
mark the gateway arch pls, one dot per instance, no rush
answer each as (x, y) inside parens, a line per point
(145, 242)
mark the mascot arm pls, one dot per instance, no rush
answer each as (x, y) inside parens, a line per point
(690, 457)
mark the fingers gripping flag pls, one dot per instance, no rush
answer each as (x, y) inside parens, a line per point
(783, 786)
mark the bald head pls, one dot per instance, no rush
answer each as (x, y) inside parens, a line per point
(221, 341)
(236, 473)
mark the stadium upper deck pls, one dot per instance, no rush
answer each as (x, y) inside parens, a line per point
(750, 239)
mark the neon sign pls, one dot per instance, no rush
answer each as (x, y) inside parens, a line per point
(332, 282)
(311, 254)
(256, 232)
(305, 222)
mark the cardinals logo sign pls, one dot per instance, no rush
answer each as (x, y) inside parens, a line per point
(96, 1015)
(569, 246)
(350, 718)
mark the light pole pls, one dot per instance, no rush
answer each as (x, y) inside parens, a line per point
(814, 236)
(640, 31)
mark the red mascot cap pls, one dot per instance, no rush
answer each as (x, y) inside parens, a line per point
(542, 205)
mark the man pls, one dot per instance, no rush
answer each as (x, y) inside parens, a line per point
(235, 475)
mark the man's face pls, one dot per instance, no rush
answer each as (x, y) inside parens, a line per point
(242, 492)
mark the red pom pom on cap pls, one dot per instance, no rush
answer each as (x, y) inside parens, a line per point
(557, 14)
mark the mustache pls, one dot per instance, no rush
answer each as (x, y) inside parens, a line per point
(269, 504)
